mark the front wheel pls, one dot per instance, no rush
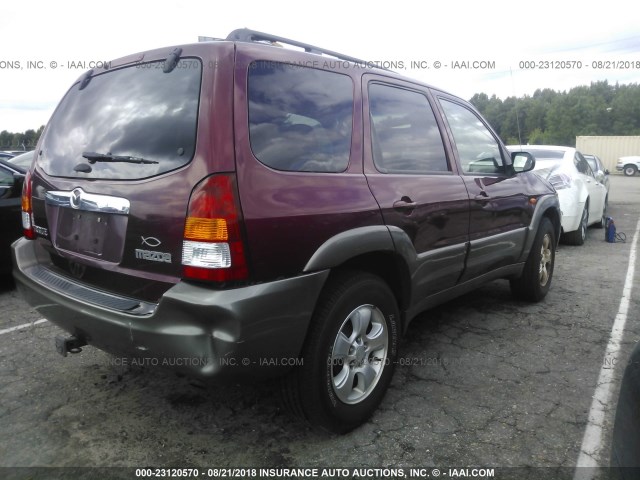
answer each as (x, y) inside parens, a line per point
(630, 170)
(349, 355)
(535, 280)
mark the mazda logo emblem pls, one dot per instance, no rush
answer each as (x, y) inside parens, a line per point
(150, 241)
(76, 198)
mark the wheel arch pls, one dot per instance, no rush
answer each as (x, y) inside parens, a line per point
(546, 207)
(553, 214)
(368, 249)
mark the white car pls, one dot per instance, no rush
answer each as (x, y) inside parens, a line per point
(23, 160)
(629, 165)
(583, 199)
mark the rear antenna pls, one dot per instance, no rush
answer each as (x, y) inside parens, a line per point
(513, 84)
(172, 60)
(85, 80)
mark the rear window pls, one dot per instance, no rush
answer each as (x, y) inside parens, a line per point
(137, 111)
(545, 154)
(300, 118)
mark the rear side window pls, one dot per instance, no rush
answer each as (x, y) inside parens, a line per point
(404, 133)
(137, 111)
(300, 119)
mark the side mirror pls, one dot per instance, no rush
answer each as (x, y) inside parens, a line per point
(523, 161)
(606, 172)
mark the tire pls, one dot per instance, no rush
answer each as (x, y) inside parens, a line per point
(535, 280)
(603, 220)
(578, 236)
(630, 170)
(349, 355)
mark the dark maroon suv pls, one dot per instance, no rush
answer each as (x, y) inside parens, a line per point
(238, 208)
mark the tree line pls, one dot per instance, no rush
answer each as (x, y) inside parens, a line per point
(549, 117)
(20, 141)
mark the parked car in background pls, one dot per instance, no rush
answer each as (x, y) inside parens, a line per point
(583, 199)
(6, 155)
(11, 179)
(629, 165)
(270, 218)
(598, 169)
(23, 160)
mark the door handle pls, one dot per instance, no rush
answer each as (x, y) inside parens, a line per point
(482, 197)
(404, 203)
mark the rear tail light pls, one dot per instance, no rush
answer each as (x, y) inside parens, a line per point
(560, 181)
(27, 211)
(213, 248)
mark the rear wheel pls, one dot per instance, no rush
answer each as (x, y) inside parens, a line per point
(603, 220)
(630, 170)
(578, 236)
(349, 355)
(535, 281)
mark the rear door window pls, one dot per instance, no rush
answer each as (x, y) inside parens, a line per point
(137, 111)
(405, 136)
(300, 119)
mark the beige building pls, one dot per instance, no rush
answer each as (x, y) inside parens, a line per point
(609, 148)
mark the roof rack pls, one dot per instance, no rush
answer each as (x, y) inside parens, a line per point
(247, 35)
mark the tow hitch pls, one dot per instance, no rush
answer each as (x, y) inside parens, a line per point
(66, 345)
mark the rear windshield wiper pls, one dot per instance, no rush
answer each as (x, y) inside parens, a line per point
(94, 157)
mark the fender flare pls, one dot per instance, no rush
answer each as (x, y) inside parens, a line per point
(359, 241)
(543, 205)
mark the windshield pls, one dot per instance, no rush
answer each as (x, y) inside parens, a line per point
(137, 111)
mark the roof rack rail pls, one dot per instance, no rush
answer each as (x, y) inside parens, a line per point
(247, 35)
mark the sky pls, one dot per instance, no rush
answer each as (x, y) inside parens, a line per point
(487, 47)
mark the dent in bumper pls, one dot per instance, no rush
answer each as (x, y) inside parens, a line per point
(256, 330)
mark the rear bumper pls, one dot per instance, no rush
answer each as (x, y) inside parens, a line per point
(251, 331)
(571, 209)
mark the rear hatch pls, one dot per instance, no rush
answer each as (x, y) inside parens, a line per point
(117, 164)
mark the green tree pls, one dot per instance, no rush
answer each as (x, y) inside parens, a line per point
(552, 117)
(16, 140)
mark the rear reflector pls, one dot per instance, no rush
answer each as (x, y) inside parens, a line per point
(27, 212)
(213, 248)
(560, 181)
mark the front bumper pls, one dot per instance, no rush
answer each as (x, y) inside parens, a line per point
(250, 331)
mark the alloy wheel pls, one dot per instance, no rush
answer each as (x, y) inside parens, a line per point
(546, 255)
(583, 223)
(359, 354)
